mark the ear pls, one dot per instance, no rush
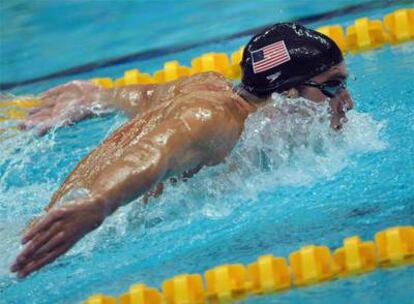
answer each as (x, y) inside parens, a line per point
(292, 93)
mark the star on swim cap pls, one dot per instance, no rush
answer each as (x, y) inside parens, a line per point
(285, 55)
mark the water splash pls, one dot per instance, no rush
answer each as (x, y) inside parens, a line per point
(288, 142)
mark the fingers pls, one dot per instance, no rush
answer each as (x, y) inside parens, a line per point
(42, 128)
(35, 247)
(57, 239)
(61, 105)
(52, 217)
(35, 110)
(40, 116)
(46, 103)
(48, 258)
(32, 120)
(44, 237)
(55, 234)
(33, 223)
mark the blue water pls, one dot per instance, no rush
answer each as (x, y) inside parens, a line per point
(327, 187)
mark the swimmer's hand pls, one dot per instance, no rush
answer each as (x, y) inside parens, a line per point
(65, 105)
(57, 233)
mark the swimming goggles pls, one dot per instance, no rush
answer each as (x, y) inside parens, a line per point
(330, 88)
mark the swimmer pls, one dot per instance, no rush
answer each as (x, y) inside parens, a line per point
(175, 130)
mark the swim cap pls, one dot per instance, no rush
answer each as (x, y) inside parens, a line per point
(285, 55)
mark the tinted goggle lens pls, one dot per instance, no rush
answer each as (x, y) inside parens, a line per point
(333, 87)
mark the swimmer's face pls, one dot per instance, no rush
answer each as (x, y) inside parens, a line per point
(340, 103)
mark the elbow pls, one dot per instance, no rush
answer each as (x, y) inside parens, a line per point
(150, 163)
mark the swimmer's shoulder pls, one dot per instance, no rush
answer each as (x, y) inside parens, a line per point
(211, 89)
(216, 87)
(207, 81)
(201, 82)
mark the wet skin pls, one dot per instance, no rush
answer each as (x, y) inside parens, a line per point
(174, 129)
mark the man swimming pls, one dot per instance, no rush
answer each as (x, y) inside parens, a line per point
(175, 130)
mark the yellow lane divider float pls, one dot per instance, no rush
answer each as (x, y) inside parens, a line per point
(363, 35)
(309, 265)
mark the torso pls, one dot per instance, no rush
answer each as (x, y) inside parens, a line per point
(162, 103)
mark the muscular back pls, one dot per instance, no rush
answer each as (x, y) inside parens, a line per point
(154, 106)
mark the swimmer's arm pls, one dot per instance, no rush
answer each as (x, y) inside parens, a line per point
(77, 100)
(129, 99)
(201, 136)
(176, 146)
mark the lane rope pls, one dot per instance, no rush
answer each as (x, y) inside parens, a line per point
(309, 265)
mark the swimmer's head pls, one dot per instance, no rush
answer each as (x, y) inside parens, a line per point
(299, 62)
(285, 56)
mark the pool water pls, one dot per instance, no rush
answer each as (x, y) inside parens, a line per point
(314, 186)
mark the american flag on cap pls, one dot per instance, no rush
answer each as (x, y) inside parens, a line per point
(269, 56)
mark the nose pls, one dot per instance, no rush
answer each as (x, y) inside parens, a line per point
(346, 100)
(342, 102)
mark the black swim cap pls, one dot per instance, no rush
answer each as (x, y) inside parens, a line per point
(285, 55)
